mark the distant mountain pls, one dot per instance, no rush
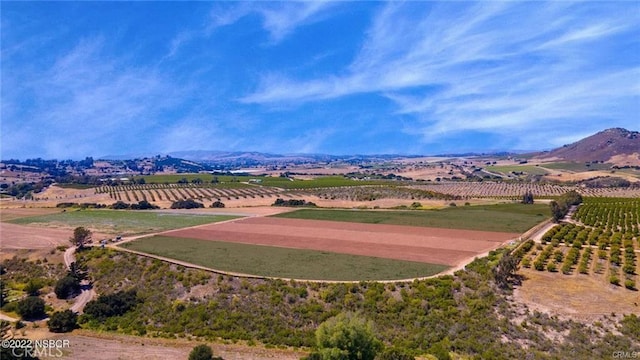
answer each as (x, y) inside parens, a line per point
(253, 158)
(602, 146)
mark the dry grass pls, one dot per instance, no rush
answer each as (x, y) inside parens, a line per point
(578, 295)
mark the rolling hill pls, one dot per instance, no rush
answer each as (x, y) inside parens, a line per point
(616, 145)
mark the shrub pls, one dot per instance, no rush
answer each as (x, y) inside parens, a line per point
(551, 266)
(67, 287)
(187, 204)
(144, 205)
(33, 287)
(394, 354)
(31, 308)
(347, 336)
(115, 304)
(440, 352)
(217, 204)
(63, 321)
(630, 284)
(201, 352)
(120, 205)
(293, 202)
(614, 280)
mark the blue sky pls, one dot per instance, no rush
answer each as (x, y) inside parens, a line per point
(101, 78)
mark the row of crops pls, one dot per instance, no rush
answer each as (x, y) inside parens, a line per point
(515, 190)
(613, 214)
(603, 243)
(174, 192)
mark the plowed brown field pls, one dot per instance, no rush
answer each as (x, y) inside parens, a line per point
(430, 245)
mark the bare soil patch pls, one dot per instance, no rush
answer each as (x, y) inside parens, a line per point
(575, 295)
(430, 245)
(17, 213)
(30, 237)
(17, 237)
(86, 345)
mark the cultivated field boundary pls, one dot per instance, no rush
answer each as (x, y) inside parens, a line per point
(537, 230)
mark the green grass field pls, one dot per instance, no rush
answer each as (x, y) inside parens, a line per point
(206, 178)
(529, 169)
(281, 262)
(281, 182)
(321, 182)
(122, 221)
(516, 218)
(577, 167)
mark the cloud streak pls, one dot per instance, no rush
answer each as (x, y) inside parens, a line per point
(84, 100)
(481, 70)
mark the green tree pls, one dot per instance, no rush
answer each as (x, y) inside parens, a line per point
(31, 308)
(558, 211)
(33, 286)
(80, 236)
(505, 270)
(66, 287)
(347, 336)
(201, 352)
(527, 198)
(78, 272)
(63, 321)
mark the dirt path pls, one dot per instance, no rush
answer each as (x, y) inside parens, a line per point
(7, 318)
(86, 293)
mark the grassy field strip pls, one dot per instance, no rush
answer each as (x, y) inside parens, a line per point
(122, 221)
(269, 261)
(508, 169)
(516, 218)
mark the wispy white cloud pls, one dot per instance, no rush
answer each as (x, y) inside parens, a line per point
(279, 19)
(501, 67)
(84, 99)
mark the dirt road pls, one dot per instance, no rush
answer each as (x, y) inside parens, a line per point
(86, 293)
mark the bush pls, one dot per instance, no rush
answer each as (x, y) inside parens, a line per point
(115, 304)
(217, 204)
(187, 204)
(394, 354)
(144, 205)
(33, 287)
(120, 205)
(293, 202)
(630, 284)
(614, 280)
(202, 352)
(67, 287)
(347, 336)
(440, 352)
(31, 308)
(63, 321)
(551, 266)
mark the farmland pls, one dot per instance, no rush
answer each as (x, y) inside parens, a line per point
(514, 190)
(317, 236)
(602, 242)
(120, 221)
(515, 218)
(577, 167)
(528, 169)
(281, 262)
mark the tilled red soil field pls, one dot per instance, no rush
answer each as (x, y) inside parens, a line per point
(430, 245)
